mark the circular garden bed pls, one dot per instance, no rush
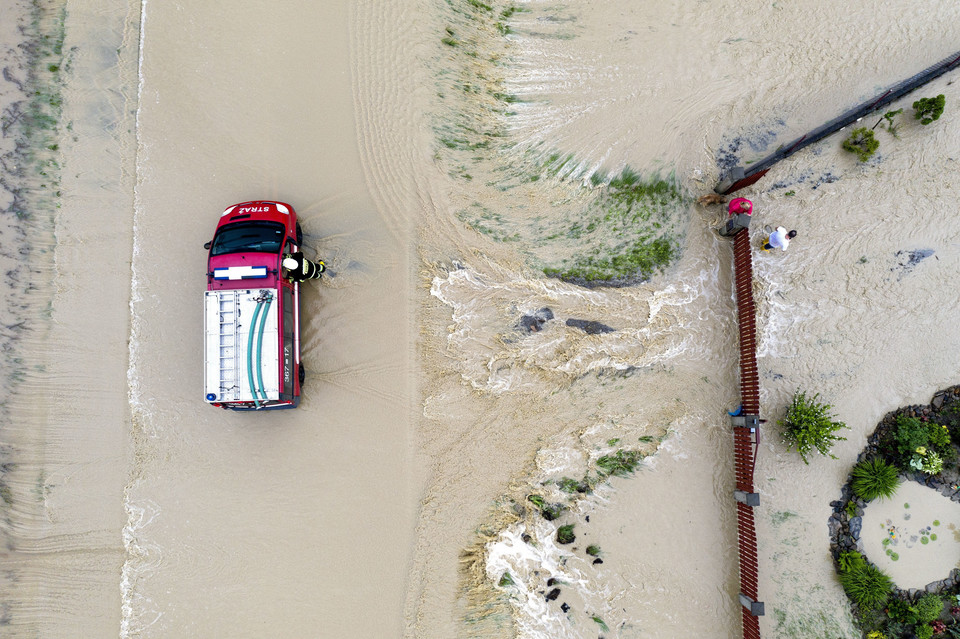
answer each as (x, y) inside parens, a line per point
(912, 444)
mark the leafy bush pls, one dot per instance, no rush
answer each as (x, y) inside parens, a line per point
(926, 461)
(875, 478)
(924, 632)
(929, 109)
(901, 610)
(921, 445)
(929, 608)
(868, 586)
(862, 142)
(808, 425)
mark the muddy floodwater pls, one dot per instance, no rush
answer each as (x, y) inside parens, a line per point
(523, 295)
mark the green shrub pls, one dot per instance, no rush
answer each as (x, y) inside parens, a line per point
(921, 445)
(868, 586)
(900, 610)
(808, 425)
(929, 109)
(862, 142)
(928, 608)
(875, 478)
(924, 632)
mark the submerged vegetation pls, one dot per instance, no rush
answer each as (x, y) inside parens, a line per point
(29, 182)
(597, 230)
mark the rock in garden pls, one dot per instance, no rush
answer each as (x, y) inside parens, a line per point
(855, 525)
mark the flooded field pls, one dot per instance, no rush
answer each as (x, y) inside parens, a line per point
(524, 299)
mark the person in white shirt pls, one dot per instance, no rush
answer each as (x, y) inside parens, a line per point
(779, 239)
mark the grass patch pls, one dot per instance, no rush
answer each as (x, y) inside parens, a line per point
(565, 534)
(868, 586)
(875, 478)
(620, 464)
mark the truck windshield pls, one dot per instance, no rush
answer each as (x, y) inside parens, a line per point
(256, 237)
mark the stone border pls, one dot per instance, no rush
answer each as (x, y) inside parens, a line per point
(845, 530)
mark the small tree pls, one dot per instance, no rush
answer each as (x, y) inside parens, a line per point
(808, 425)
(929, 109)
(891, 127)
(862, 142)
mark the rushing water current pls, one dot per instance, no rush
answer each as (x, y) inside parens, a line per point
(447, 159)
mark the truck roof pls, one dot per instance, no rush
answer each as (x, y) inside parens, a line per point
(242, 351)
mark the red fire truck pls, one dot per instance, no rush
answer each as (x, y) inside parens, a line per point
(251, 311)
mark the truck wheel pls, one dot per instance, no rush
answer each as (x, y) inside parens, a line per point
(299, 235)
(302, 374)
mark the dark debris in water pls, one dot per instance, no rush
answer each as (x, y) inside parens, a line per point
(534, 323)
(730, 152)
(826, 177)
(908, 260)
(589, 327)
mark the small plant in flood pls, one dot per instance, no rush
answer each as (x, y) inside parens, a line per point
(593, 550)
(929, 109)
(568, 485)
(565, 534)
(875, 478)
(808, 425)
(621, 463)
(600, 622)
(547, 511)
(862, 142)
(506, 580)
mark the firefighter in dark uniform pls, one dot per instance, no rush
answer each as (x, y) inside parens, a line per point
(299, 269)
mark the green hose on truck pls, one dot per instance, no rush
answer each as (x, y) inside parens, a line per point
(263, 322)
(253, 325)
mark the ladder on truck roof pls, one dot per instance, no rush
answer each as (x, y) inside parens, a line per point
(229, 313)
(241, 346)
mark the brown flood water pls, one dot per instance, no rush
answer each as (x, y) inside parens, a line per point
(384, 505)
